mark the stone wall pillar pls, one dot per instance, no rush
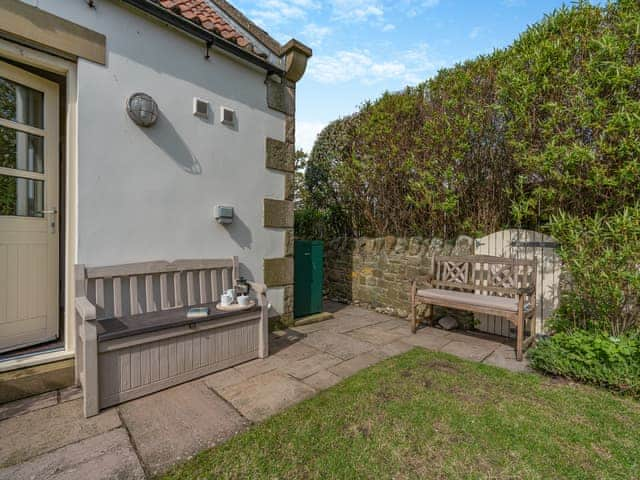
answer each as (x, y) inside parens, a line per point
(278, 213)
(280, 156)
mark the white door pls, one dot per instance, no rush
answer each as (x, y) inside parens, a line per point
(28, 209)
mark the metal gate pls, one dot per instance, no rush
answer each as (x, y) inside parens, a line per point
(524, 244)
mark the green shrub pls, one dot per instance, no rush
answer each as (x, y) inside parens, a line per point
(602, 258)
(509, 139)
(612, 362)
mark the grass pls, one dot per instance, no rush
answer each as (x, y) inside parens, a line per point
(431, 415)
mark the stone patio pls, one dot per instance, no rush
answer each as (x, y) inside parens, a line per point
(46, 437)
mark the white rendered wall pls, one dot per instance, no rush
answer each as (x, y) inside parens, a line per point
(148, 194)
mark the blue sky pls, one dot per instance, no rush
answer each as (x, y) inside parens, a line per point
(364, 47)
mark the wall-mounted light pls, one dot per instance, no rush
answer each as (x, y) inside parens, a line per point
(142, 109)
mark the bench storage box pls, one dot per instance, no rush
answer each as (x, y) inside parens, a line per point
(133, 335)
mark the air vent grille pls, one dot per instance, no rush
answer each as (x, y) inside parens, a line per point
(200, 107)
(228, 116)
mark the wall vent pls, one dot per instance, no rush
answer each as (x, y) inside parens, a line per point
(200, 107)
(227, 116)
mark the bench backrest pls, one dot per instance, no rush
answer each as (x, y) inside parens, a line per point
(136, 288)
(484, 274)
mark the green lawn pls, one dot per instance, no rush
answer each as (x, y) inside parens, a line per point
(431, 415)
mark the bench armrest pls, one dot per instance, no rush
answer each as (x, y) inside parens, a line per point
(85, 309)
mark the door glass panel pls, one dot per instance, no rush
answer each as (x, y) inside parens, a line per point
(21, 104)
(21, 150)
(21, 197)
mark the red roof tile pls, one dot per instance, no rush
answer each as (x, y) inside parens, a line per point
(201, 13)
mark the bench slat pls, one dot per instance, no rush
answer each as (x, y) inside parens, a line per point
(215, 286)
(202, 281)
(148, 290)
(133, 295)
(191, 294)
(177, 290)
(117, 297)
(164, 292)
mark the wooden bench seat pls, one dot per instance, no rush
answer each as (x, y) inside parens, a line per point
(481, 284)
(133, 336)
(468, 300)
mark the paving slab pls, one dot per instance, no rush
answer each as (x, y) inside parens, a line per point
(240, 373)
(342, 323)
(224, 378)
(395, 348)
(337, 344)
(70, 393)
(428, 340)
(315, 327)
(103, 457)
(41, 431)
(259, 366)
(505, 357)
(354, 365)
(171, 425)
(352, 322)
(296, 351)
(375, 335)
(473, 340)
(469, 351)
(260, 397)
(322, 380)
(393, 323)
(29, 404)
(308, 366)
(282, 338)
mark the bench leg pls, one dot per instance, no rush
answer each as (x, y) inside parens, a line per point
(414, 315)
(520, 329)
(90, 367)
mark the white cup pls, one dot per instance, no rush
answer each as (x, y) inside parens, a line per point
(232, 293)
(243, 300)
(226, 299)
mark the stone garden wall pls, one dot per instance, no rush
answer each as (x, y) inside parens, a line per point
(377, 272)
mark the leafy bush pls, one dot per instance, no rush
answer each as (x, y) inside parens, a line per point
(548, 124)
(612, 362)
(602, 257)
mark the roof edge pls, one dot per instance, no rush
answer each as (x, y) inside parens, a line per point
(239, 17)
(154, 9)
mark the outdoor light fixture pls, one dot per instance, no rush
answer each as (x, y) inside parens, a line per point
(142, 109)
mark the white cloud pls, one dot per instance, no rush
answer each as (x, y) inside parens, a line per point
(315, 34)
(388, 27)
(306, 134)
(413, 8)
(475, 31)
(357, 10)
(411, 66)
(272, 12)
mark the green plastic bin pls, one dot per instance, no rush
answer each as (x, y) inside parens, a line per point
(308, 277)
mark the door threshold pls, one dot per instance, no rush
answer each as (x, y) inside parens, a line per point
(32, 359)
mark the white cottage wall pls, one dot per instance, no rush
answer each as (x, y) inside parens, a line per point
(146, 194)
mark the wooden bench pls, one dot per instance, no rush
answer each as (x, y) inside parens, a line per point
(482, 284)
(133, 336)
